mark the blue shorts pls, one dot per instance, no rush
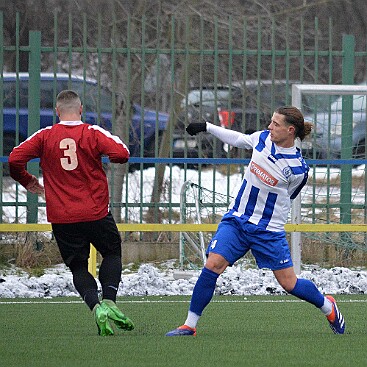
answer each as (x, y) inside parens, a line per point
(234, 238)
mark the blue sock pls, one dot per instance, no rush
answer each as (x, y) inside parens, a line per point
(203, 291)
(306, 290)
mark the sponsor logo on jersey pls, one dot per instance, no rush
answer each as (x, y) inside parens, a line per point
(262, 175)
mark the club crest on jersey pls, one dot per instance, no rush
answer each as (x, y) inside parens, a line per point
(262, 175)
(287, 172)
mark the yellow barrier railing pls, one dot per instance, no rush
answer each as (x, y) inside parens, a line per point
(188, 227)
(179, 227)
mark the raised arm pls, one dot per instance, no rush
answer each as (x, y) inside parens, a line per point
(227, 136)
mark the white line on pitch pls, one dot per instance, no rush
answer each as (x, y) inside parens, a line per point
(177, 301)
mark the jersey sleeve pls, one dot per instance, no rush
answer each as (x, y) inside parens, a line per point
(296, 185)
(231, 137)
(23, 153)
(111, 145)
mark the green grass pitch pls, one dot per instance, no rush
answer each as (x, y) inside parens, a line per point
(233, 331)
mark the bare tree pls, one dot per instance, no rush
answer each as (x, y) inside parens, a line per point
(140, 32)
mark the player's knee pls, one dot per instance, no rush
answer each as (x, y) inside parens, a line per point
(112, 252)
(110, 249)
(216, 263)
(287, 286)
(78, 265)
(286, 278)
(287, 283)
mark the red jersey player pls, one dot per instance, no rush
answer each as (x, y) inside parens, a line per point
(77, 200)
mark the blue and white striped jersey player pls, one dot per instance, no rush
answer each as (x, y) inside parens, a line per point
(256, 217)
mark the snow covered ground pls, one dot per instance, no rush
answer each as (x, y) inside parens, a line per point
(150, 280)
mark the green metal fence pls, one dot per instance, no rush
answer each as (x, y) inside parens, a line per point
(156, 69)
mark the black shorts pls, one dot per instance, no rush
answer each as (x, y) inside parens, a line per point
(74, 239)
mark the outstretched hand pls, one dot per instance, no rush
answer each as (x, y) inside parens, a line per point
(35, 187)
(196, 127)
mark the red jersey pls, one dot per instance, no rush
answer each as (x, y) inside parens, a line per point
(70, 155)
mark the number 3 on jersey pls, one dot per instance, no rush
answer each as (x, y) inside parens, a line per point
(68, 145)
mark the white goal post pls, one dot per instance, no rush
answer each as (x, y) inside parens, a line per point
(298, 90)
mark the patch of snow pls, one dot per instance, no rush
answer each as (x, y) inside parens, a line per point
(150, 280)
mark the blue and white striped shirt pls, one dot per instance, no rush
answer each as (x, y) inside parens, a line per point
(274, 177)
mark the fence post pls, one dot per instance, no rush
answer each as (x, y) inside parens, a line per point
(34, 84)
(347, 138)
(347, 130)
(296, 238)
(1, 106)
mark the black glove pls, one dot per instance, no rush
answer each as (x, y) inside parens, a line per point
(196, 127)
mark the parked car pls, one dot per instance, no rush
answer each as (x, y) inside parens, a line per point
(245, 107)
(149, 118)
(47, 112)
(326, 141)
(97, 104)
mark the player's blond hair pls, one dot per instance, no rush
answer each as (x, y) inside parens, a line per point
(68, 101)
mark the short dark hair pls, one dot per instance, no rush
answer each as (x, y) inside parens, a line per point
(294, 116)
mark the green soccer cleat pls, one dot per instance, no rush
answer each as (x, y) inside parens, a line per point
(101, 317)
(114, 314)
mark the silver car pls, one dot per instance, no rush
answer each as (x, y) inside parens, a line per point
(326, 140)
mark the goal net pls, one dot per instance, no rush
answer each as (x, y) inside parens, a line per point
(198, 205)
(336, 189)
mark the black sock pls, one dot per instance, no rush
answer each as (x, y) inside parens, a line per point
(110, 276)
(91, 298)
(85, 283)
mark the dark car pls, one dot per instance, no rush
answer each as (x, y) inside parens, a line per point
(149, 118)
(97, 104)
(245, 107)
